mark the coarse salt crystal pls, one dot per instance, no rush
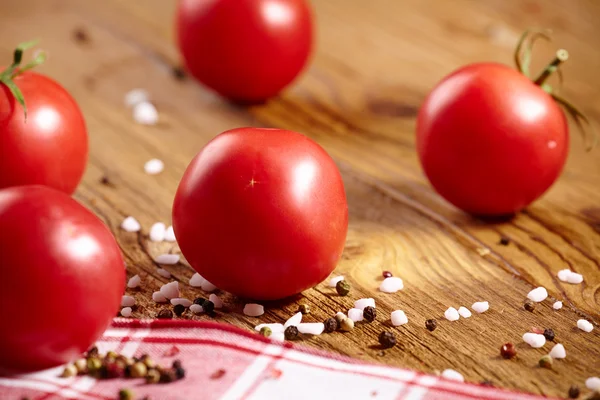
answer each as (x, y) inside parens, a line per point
(464, 312)
(134, 281)
(154, 166)
(277, 336)
(159, 297)
(535, 340)
(451, 314)
(126, 312)
(180, 300)
(311, 328)
(333, 282)
(593, 383)
(157, 232)
(170, 290)
(163, 272)
(453, 375)
(575, 278)
(538, 294)
(585, 325)
(355, 314)
(216, 300)
(167, 259)
(130, 224)
(254, 310)
(399, 318)
(362, 303)
(196, 280)
(480, 306)
(294, 320)
(558, 351)
(170, 234)
(563, 274)
(557, 305)
(274, 327)
(127, 301)
(391, 285)
(135, 96)
(196, 309)
(145, 113)
(207, 286)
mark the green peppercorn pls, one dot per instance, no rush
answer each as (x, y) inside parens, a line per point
(152, 376)
(126, 394)
(346, 325)
(369, 314)
(387, 339)
(304, 308)
(93, 365)
(342, 288)
(111, 354)
(145, 358)
(265, 331)
(179, 309)
(291, 332)
(208, 306)
(139, 370)
(331, 325)
(529, 305)
(81, 365)
(545, 362)
(69, 371)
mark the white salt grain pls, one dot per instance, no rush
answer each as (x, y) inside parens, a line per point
(294, 320)
(180, 300)
(254, 310)
(163, 272)
(167, 259)
(145, 113)
(159, 297)
(127, 301)
(480, 306)
(135, 96)
(275, 328)
(126, 312)
(157, 232)
(277, 336)
(563, 274)
(134, 281)
(557, 305)
(196, 309)
(311, 328)
(538, 294)
(170, 290)
(207, 286)
(451, 314)
(196, 280)
(391, 285)
(453, 375)
(593, 383)
(170, 234)
(399, 318)
(355, 314)
(362, 303)
(535, 340)
(575, 278)
(154, 166)
(130, 224)
(585, 325)
(558, 351)
(333, 282)
(464, 312)
(216, 300)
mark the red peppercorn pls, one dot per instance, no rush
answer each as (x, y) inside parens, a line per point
(508, 351)
(387, 274)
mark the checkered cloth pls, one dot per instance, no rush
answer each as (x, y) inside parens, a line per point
(225, 362)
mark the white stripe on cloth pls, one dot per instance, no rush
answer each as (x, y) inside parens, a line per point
(418, 392)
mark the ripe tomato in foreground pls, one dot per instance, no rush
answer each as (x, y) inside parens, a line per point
(261, 213)
(62, 278)
(48, 146)
(490, 140)
(245, 50)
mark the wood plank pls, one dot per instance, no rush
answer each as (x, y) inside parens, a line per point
(358, 99)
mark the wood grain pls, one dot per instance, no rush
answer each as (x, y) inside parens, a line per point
(373, 65)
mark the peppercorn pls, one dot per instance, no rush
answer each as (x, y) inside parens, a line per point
(180, 373)
(291, 332)
(145, 358)
(125, 394)
(549, 334)
(431, 324)
(168, 375)
(529, 305)
(153, 376)
(93, 365)
(545, 362)
(340, 317)
(346, 325)
(179, 73)
(114, 369)
(574, 392)
(331, 325)
(81, 365)
(208, 306)
(342, 288)
(179, 309)
(265, 331)
(387, 274)
(387, 339)
(200, 301)
(369, 313)
(111, 355)
(139, 370)
(595, 395)
(304, 308)
(504, 241)
(69, 371)
(165, 314)
(508, 351)
(92, 352)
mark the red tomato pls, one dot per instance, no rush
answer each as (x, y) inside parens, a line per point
(490, 140)
(246, 50)
(261, 213)
(62, 278)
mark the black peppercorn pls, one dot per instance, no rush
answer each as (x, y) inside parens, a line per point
(165, 314)
(431, 324)
(369, 314)
(180, 373)
(549, 334)
(529, 305)
(504, 241)
(387, 339)
(574, 392)
(331, 325)
(291, 332)
(200, 301)
(92, 352)
(177, 364)
(387, 274)
(508, 351)
(179, 73)
(168, 375)
(179, 309)
(208, 306)
(342, 287)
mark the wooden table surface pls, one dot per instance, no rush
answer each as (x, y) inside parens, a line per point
(374, 63)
